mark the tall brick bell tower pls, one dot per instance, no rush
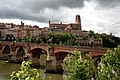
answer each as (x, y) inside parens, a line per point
(78, 21)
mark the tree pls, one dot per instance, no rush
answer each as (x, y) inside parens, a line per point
(18, 40)
(109, 67)
(78, 69)
(38, 40)
(9, 37)
(66, 38)
(109, 41)
(26, 73)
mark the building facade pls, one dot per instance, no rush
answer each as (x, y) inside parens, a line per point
(22, 30)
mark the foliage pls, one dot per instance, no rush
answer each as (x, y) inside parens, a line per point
(109, 67)
(26, 73)
(78, 69)
(18, 40)
(38, 40)
(61, 39)
(9, 37)
(109, 41)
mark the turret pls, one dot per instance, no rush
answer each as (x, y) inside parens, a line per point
(78, 21)
(22, 24)
(49, 22)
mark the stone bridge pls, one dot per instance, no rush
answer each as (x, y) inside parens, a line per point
(19, 51)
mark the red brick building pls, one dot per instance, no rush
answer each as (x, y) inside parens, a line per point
(22, 30)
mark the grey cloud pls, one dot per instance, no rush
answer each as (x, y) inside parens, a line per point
(37, 5)
(31, 9)
(108, 3)
(13, 14)
(113, 27)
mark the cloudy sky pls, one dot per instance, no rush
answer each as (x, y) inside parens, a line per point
(98, 15)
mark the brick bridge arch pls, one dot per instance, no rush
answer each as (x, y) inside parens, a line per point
(63, 49)
(61, 55)
(34, 46)
(35, 51)
(20, 51)
(5, 50)
(60, 52)
(16, 51)
(4, 44)
(19, 54)
(21, 48)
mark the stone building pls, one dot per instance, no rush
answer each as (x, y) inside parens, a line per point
(74, 28)
(82, 36)
(22, 30)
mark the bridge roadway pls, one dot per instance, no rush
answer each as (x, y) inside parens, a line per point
(19, 51)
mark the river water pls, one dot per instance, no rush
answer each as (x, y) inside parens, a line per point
(7, 68)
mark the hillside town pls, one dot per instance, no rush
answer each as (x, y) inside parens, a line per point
(22, 30)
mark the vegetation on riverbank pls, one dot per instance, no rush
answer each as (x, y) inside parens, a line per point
(68, 39)
(77, 68)
(26, 73)
(109, 41)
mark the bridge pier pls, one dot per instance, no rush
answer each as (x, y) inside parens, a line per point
(13, 58)
(9, 58)
(35, 61)
(53, 65)
(3, 56)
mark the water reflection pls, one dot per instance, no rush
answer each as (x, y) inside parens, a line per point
(7, 68)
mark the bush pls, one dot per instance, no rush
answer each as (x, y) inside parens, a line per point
(78, 69)
(109, 67)
(26, 73)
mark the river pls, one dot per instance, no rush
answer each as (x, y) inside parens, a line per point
(7, 68)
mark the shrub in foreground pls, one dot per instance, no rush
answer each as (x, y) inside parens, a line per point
(26, 73)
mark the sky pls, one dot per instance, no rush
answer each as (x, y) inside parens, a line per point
(100, 16)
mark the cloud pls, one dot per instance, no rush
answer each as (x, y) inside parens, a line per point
(37, 5)
(97, 15)
(103, 20)
(34, 9)
(108, 3)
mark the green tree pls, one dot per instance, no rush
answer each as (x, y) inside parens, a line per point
(26, 73)
(29, 39)
(9, 37)
(77, 68)
(109, 41)
(66, 38)
(109, 67)
(38, 40)
(18, 40)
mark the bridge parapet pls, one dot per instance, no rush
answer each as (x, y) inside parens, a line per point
(93, 51)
